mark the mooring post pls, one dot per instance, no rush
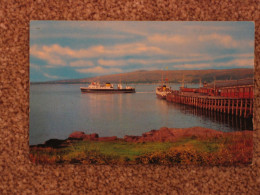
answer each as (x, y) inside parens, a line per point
(237, 107)
(224, 105)
(228, 105)
(251, 106)
(245, 112)
(233, 105)
(241, 107)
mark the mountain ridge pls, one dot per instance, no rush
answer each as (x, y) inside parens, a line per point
(155, 76)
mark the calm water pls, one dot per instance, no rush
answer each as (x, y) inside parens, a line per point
(58, 110)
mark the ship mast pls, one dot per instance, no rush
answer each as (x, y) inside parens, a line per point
(215, 85)
(182, 81)
(162, 77)
(166, 79)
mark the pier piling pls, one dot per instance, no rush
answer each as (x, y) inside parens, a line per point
(242, 107)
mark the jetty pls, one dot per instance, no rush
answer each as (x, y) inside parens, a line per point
(229, 97)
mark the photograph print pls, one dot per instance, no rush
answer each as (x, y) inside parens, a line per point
(141, 92)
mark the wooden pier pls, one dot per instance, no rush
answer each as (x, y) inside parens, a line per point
(242, 107)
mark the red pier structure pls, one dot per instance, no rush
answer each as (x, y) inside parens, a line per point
(230, 97)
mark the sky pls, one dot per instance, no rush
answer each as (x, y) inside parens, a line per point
(79, 49)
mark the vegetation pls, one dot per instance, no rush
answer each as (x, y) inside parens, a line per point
(229, 149)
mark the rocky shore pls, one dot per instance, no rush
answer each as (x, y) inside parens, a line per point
(164, 134)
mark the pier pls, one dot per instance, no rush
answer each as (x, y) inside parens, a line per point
(229, 97)
(234, 106)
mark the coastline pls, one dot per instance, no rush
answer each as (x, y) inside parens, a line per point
(164, 134)
(195, 145)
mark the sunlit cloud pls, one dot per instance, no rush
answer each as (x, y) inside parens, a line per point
(112, 62)
(45, 53)
(169, 39)
(54, 53)
(223, 40)
(99, 70)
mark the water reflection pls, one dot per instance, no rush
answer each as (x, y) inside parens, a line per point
(100, 106)
(235, 122)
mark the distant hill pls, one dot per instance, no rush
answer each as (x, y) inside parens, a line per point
(174, 76)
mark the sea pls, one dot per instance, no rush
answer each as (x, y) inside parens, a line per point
(57, 110)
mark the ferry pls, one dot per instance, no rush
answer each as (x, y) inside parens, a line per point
(95, 87)
(162, 91)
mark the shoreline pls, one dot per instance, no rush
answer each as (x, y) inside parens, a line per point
(164, 134)
(166, 146)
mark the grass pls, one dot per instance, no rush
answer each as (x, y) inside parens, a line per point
(124, 149)
(225, 150)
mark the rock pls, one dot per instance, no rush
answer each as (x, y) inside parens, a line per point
(113, 138)
(164, 134)
(93, 135)
(147, 134)
(82, 136)
(77, 135)
(163, 128)
(55, 143)
(130, 138)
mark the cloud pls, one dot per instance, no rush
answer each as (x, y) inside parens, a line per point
(168, 39)
(81, 63)
(41, 71)
(149, 61)
(35, 66)
(190, 59)
(240, 55)
(99, 70)
(223, 40)
(248, 63)
(51, 76)
(54, 53)
(45, 53)
(85, 29)
(239, 63)
(112, 62)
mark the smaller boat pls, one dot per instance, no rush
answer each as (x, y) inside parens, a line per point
(95, 87)
(162, 91)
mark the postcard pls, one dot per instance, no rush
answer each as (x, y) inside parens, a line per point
(141, 92)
